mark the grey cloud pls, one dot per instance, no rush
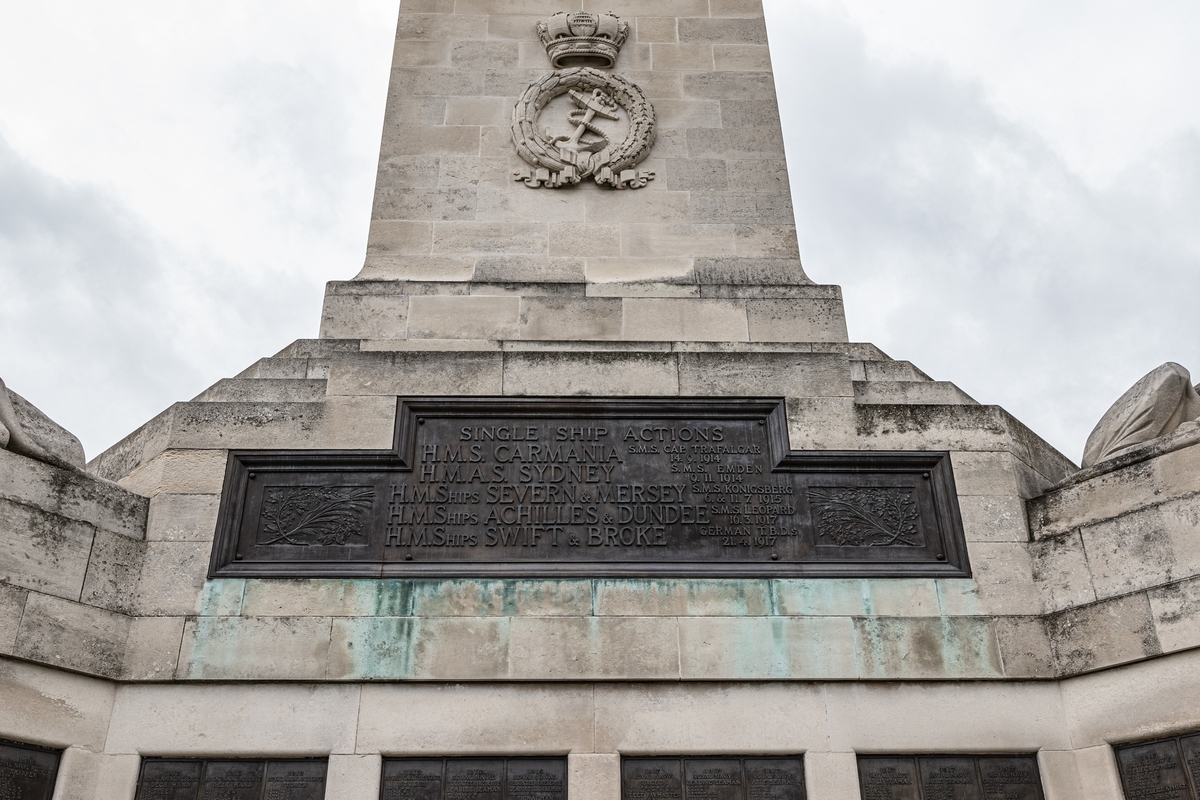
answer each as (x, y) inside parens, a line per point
(966, 244)
(86, 336)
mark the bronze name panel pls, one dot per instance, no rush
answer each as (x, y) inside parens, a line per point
(950, 777)
(231, 779)
(488, 487)
(712, 778)
(27, 772)
(1166, 769)
(517, 778)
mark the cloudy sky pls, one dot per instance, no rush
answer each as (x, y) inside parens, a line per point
(1007, 190)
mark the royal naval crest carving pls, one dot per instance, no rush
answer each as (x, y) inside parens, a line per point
(607, 125)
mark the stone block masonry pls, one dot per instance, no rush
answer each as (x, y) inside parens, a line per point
(712, 234)
(1078, 628)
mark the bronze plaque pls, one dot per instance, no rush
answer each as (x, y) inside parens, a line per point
(232, 779)
(886, 778)
(1165, 769)
(516, 778)
(651, 779)
(712, 778)
(774, 778)
(26, 772)
(589, 487)
(296, 780)
(950, 777)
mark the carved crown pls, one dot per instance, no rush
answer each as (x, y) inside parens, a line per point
(582, 38)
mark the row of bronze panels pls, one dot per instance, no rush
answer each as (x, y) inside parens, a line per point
(1166, 769)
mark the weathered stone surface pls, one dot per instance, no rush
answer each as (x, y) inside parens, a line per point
(172, 578)
(1130, 552)
(796, 321)
(44, 552)
(179, 472)
(1098, 776)
(570, 318)
(623, 648)
(922, 648)
(1103, 634)
(705, 717)
(12, 605)
(1154, 406)
(353, 776)
(397, 648)
(679, 319)
(593, 776)
(1003, 582)
(760, 648)
(1060, 778)
(1060, 571)
(1025, 647)
(988, 518)
(240, 648)
(114, 565)
(1129, 704)
(763, 374)
(416, 373)
(464, 317)
(831, 775)
(582, 239)
(26, 431)
(182, 518)
(297, 719)
(502, 718)
(676, 240)
(541, 598)
(71, 494)
(117, 776)
(1101, 494)
(152, 649)
(682, 598)
(928, 717)
(1176, 609)
(71, 635)
(52, 706)
(590, 374)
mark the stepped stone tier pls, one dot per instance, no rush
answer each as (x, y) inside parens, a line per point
(517, 253)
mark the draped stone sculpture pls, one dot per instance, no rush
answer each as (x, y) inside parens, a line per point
(27, 431)
(1154, 406)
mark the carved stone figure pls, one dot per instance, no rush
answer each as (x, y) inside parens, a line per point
(588, 151)
(27, 431)
(1154, 406)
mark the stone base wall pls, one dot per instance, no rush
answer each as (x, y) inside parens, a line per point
(106, 727)
(1077, 629)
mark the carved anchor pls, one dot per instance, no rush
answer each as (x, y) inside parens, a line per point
(598, 104)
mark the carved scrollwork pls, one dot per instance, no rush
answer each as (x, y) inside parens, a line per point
(567, 160)
(866, 517)
(314, 515)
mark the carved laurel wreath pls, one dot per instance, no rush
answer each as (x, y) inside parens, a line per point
(556, 167)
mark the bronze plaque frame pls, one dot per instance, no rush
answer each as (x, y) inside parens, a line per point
(648, 487)
(1160, 769)
(710, 777)
(474, 778)
(29, 770)
(232, 778)
(952, 776)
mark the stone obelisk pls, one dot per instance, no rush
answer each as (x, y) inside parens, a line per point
(464, 251)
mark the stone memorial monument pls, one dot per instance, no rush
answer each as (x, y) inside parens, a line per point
(583, 493)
